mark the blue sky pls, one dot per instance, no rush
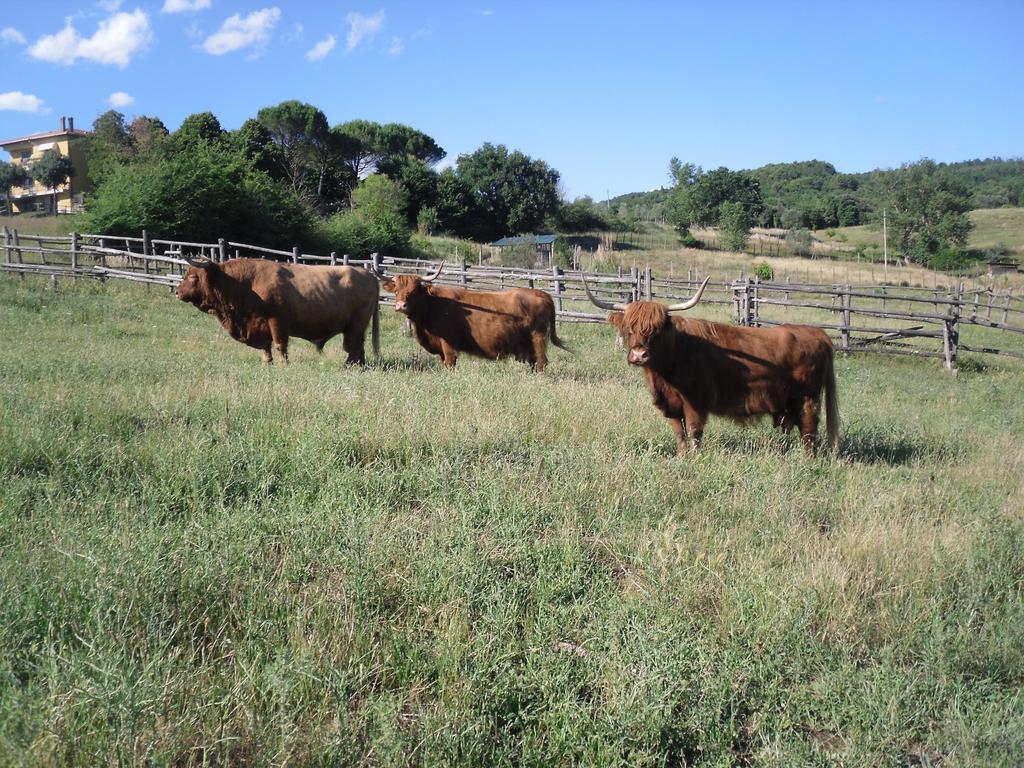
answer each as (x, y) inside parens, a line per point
(604, 92)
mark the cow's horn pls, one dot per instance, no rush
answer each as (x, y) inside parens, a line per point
(689, 303)
(614, 306)
(433, 277)
(199, 263)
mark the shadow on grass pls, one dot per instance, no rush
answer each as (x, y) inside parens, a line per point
(385, 363)
(860, 447)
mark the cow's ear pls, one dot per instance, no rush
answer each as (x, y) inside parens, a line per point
(388, 285)
(615, 318)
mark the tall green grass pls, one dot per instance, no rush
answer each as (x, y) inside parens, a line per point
(203, 560)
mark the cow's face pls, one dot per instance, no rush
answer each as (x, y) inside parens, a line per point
(641, 327)
(409, 291)
(195, 285)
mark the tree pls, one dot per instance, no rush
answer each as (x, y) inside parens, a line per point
(201, 195)
(927, 212)
(147, 135)
(385, 148)
(456, 207)
(379, 196)
(12, 175)
(254, 144)
(734, 225)
(109, 146)
(53, 170)
(310, 155)
(698, 196)
(513, 193)
(419, 182)
(198, 128)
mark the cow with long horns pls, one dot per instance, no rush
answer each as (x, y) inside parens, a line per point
(263, 303)
(696, 367)
(448, 320)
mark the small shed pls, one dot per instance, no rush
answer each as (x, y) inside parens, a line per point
(1001, 267)
(540, 247)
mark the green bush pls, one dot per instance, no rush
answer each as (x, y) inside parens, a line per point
(800, 242)
(764, 271)
(358, 235)
(201, 196)
(734, 226)
(689, 241)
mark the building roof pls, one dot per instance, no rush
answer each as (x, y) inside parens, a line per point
(44, 135)
(525, 240)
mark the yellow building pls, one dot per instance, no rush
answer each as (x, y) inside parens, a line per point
(27, 149)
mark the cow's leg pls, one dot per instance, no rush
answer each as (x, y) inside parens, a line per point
(679, 428)
(809, 423)
(280, 337)
(268, 358)
(695, 424)
(448, 354)
(355, 343)
(540, 352)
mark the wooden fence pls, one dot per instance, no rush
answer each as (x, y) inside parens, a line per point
(928, 322)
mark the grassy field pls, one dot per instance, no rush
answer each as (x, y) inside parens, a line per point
(40, 224)
(992, 226)
(206, 561)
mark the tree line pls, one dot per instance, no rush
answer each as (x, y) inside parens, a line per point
(287, 177)
(926, 203)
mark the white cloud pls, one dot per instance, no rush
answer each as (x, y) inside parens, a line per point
(120, 99)
(16, 101)
(115, 42)
(881, 98)
(236, 32)
(321, 49)
(295, 36)
(11, 35)
(193, 31)
(184, 6)
(421, 32)
(110, 5)
(396, 47)
(487, 12)
(361, 27)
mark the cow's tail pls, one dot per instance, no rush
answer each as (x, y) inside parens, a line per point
(554, 333)
(375, 332)
(832, 406)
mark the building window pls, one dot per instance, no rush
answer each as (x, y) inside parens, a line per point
(26, 154)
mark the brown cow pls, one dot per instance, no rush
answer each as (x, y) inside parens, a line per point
(492, 324)
(262, 302)
(696, 367)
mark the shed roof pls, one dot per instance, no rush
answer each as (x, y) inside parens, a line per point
(525, 240)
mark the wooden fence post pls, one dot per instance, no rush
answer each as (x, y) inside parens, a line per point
(295, 254)
(755, 306)
(465, 279)
(556, 286)
(847, 302)
(17, 250)
(74, 251)
(648, 284)
(7, 245)
(334, 258)
(344, 259)
(222, 246)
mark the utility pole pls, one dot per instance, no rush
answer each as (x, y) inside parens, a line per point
(885, 245)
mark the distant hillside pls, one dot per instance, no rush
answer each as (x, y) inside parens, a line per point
(814, 195)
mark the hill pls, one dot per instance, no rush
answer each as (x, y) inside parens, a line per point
(812, 194)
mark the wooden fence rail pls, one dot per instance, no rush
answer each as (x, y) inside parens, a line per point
(162, 262)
